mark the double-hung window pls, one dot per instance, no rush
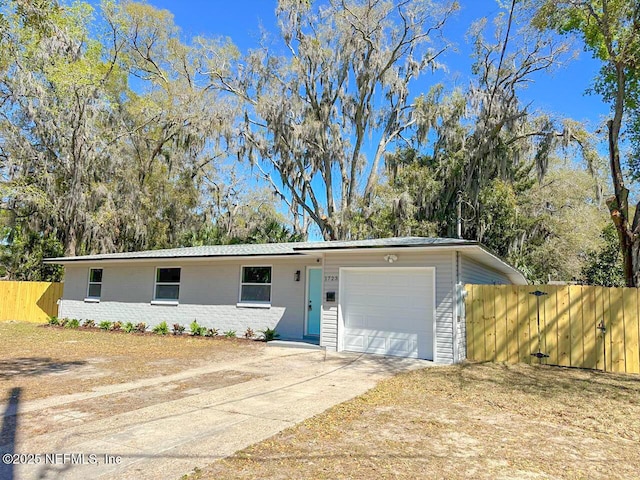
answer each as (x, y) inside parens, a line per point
(167, 286)
(255, 285)
(94, 289)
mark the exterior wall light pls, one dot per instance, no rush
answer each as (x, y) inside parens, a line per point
(296, 276)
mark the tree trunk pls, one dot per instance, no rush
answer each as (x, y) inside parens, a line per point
(618, 209)
(619, 204)
(71, 243)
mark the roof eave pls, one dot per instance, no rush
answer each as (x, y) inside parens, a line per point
(155, 259)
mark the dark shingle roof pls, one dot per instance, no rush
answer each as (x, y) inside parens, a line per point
(385, 242)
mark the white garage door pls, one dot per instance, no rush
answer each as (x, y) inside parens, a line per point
(388, 311)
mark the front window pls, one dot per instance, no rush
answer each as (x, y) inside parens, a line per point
(94, 290)
(255, 286)
(167, 284)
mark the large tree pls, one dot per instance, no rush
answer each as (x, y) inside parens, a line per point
(610, 29)
(488, 152)
(486, 132)
(322, 116)
(107, 130)
(54, 106)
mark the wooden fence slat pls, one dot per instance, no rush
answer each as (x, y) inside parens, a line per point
(630, 296)
(477, 331)
(599, 318)
(536, 339)
(513, 335)
(489, 322)
(500, 322)
(523, 325)
(606, 316)
(550, 329)
(577, 337)
(617, 330)
(589, 327)
(564, 327)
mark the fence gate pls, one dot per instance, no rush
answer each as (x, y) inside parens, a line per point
(580, 326)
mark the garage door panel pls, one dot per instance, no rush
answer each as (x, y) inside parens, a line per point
(393, 289)
(354, 342)
(392, 323)
(377, 343)
(382, 323)
(388, 311)
(401, 308)
(366, 310)
(388, 282)
(402, 346)
(387, 320)
(365, 300)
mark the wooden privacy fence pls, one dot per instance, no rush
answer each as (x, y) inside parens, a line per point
(29, 301)
(501, 324)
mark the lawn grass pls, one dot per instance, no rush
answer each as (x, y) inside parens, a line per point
(45, 361)
(481, 421)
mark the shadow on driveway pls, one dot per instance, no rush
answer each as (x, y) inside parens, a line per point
(8, 433)
(28, 366)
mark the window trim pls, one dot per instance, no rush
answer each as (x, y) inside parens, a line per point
(252, 303)
(165, 301)
(91, 298)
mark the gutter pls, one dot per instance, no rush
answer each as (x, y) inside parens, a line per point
(86, 259)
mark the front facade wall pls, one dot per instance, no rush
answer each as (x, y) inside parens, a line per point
(444, 279)
(209, 292)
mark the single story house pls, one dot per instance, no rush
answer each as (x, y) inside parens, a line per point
(391, 296)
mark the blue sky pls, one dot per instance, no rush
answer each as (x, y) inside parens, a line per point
(561, 92)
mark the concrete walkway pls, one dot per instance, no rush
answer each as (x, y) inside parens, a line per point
(167, 440)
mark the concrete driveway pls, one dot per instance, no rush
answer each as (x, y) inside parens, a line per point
(170, 438)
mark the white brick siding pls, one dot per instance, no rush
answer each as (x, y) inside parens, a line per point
(209, 292)
(222, 317)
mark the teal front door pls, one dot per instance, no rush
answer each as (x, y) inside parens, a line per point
(314, 300)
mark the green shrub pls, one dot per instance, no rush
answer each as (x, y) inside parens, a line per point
(197, 330)
(269, 334)
(63, 322)
(230, 333)
(161, 329)
(178, 329)
(249, 333)
(128, 327)
(104, 325)
(116, 326)
(212, 332)
(74, 323)
(53, 320)
(89, 323)
(141, 327)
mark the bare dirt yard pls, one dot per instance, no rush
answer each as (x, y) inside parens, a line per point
(482, 421)
(43, 361)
